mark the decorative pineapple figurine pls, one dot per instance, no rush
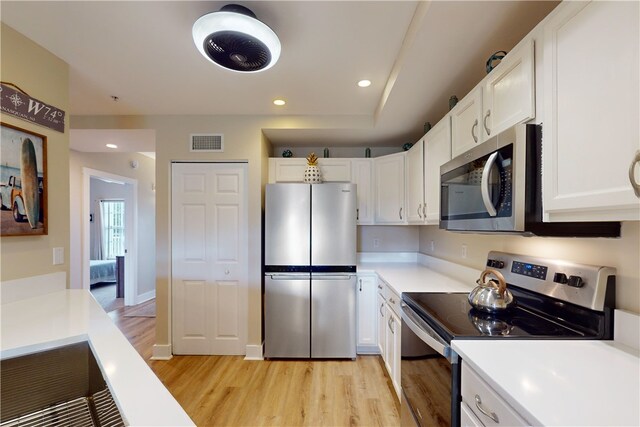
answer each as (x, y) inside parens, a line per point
(312, 172)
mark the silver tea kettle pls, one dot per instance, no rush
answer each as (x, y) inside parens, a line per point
(491, 296)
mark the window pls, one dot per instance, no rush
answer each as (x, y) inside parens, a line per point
(112, 212)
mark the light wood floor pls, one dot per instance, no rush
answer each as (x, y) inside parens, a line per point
(229, 391)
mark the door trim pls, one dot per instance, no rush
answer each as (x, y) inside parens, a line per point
(131, 232)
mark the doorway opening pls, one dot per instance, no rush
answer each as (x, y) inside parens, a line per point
(109, 255)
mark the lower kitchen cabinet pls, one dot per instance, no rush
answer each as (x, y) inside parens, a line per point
(367, 320)
(392, 360)
(382, 317)
(483, 404)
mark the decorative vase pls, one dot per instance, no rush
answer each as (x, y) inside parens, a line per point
(453, 101)
(367, 152)
(287, 153)
(312, 175)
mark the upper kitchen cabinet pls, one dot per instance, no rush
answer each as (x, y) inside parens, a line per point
(362, 175)
(437, 151)
(466, 119)
(591, 112)
(390, 189)
(508, 91)
(502, 99)
(292, 169)
(415, 183)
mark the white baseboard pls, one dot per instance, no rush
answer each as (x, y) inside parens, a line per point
(145, 297)
(368, 349)
(254, 352)
(161, 352)
(28, 287)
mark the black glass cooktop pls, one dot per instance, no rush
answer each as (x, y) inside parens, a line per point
(451, 315)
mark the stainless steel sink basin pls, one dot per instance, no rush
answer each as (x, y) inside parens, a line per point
(58, 387)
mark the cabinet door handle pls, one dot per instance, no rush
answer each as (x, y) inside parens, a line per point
(484, 121)
(473, 133)
(424, 211)
(400, 214)
(486, 412)
(634, 184)
(360, 285)
(419, 214)
(357, 214)
(391, 323)
(381, 312)
(380, 287)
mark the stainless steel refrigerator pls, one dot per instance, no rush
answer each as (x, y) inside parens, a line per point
(310, 266)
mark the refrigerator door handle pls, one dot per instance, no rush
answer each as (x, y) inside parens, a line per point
(289, 276)
(332, 276)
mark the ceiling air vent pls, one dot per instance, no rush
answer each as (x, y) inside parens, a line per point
(207, 142)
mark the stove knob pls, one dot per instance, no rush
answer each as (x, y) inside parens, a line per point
(575, 281)
(498, 264)
(560, 278)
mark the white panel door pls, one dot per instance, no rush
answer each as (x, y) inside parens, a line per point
(367, 314)
(362, 176)
(209, 245)
(591, 132)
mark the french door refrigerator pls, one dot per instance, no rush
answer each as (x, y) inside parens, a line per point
(310, 271)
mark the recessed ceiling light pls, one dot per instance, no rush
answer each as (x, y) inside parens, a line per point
(279, 102)
(112, 146)
(235, 39)
(364, 83)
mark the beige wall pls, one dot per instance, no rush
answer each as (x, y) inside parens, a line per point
(46, 77)
(117, 164)
(391, 238)
(622, 253)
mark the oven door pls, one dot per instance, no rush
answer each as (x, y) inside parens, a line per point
(429, 375)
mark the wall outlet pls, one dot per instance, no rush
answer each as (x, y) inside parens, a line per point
(58, 256)
(376, 242)
(432, 245)
(463, 251)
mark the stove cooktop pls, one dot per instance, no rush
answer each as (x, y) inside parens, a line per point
(451, 315)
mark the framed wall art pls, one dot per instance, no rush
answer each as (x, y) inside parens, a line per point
(23, 182)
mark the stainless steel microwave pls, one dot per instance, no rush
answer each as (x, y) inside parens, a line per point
(497, 187)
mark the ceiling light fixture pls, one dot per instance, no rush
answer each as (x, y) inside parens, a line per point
(364, 83)
(112, 146)
(279, 102)
(235, 39)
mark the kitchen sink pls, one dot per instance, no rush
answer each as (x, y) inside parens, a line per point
(59, 387)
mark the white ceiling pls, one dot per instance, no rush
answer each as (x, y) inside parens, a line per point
(143, 53)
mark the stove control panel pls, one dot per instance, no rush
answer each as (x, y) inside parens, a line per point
(581, 284)
(528, 269)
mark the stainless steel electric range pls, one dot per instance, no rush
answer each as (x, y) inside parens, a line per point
(554, 300)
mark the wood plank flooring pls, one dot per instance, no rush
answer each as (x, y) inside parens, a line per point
(230, 391)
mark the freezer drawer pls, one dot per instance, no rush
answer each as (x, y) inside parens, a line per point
(333, 316)
(287, 315)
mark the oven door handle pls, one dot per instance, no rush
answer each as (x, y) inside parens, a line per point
(425, 332)
(486, 197)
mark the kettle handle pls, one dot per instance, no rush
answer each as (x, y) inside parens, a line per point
(502, 284)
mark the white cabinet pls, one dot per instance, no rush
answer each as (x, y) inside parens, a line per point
(591, 112)
(390, 189)
(392, 359)
(362, 176)
(466, 125)
(485, 403)
(292, 169)
(508, 91)
(415, 183)
(505, 97)
(367, 318)
(468, 418)
(381, 316)
(437, 151)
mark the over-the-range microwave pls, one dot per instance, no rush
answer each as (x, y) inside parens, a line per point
(497, 187)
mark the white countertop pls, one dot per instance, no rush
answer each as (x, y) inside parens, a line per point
(561, 383)
(65, 317)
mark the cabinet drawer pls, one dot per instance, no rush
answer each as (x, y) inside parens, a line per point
(393, 299)
(468, 418)
(480, 397)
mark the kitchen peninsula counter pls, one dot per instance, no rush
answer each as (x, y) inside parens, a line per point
(66, 317)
